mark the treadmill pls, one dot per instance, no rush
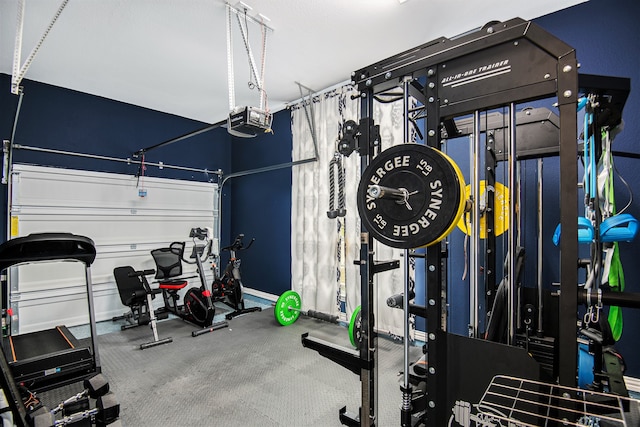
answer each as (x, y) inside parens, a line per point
(51, 358)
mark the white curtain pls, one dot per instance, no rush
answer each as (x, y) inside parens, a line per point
(324, 250)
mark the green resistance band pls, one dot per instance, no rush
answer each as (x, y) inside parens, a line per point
(616, 273)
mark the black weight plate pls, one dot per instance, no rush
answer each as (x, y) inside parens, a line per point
(435, 203)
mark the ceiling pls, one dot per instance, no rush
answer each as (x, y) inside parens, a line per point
(171, 55)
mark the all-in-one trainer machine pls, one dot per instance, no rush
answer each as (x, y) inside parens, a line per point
(411, 196)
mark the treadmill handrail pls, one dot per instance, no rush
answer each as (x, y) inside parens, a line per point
(47, 247)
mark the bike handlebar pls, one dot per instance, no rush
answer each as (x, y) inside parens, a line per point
(202, 234)
(237, 244)
(198, 233)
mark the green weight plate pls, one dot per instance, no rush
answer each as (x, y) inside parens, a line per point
(355, 325)
(283, 310)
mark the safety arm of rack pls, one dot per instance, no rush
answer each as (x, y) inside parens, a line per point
(344, 357)
(380, 266)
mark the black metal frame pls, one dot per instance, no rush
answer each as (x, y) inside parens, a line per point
(363, 361)
(553, 73)
(503, 64)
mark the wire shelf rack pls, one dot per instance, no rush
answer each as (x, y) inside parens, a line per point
(516, 402)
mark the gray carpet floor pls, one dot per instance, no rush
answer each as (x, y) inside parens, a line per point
(253, 373)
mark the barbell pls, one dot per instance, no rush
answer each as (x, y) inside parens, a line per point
(288, 309)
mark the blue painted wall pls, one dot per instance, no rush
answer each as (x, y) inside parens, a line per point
(60, 119)
(260, 206)
(257, 205)
(57, 118)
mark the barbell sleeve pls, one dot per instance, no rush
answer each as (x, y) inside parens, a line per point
(396, 301)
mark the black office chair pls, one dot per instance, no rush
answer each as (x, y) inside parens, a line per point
(136, 294)
(169, 261)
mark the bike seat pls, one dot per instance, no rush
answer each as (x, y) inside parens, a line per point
(175, 285)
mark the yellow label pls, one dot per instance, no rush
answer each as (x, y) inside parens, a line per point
(14, 226)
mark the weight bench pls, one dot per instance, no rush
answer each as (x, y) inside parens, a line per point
(136, 294)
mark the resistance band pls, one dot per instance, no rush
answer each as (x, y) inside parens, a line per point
(615, 276)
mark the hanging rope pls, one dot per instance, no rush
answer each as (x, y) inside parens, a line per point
(590, 185)
(336, 164)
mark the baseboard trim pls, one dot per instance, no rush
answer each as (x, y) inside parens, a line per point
(261, 294)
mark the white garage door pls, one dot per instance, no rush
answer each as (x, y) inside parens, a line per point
(108, 209)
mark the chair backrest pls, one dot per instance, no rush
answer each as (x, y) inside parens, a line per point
(128, 285)
(168, 260)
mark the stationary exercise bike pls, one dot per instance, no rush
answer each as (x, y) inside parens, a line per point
(228, 288)
(198, 304)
